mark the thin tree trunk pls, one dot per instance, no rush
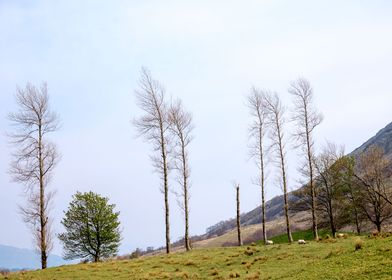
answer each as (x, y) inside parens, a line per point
(314, 217)
(262, 187)
(286, 202)
(357, 221)
(185, 186)
(286, 211)
(43, 244)
(166, 190)
(378, 225)
(332, 223)
(238, 217)
(378, 221)
(310, 162)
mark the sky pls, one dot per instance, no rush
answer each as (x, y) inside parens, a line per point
(209, 54)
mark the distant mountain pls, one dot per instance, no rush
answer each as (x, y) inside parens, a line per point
(274, 207)
(15, 259)
(382, 139)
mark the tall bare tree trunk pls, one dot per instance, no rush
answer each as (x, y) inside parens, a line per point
(34, 160)
(263, 221)
(238, 216)
(153, 126)
(257, 108)
(186, 240)
(276, 121)
(42, 215)
(186, 198)
(181, 127)
(312, 187)
(284, 179)
(166, 192)
(310, 163)
(306, 118)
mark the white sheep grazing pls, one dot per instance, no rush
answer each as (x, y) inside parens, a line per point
(269, 242)
(301, 241)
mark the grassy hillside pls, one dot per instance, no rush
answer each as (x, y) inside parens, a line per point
(328, 259)
(252, 233)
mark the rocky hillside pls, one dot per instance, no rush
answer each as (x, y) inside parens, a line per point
(274, 207)
(382, 139)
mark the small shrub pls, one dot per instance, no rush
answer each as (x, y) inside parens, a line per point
(254, 276)
(189, 263)
(260, 259)
(234, 275)
(329, 240)
(375, 233)
(358, 244)
(214, 272)
(136, 254)
(248, 252)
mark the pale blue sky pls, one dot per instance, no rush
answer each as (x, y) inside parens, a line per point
(209, 53)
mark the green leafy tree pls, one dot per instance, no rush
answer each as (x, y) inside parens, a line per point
(91, 228)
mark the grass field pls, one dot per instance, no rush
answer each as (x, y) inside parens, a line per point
(327, 259)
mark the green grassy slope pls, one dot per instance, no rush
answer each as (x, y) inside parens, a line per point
(328, 259)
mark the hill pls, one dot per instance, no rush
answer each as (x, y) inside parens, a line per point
(13, 258)
(274, 207)
(328, 259)
(382, 139)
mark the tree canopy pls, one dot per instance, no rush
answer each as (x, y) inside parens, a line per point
(91, 228)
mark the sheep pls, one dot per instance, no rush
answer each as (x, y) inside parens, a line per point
(269, 242)
(301, 241)
(340, 235)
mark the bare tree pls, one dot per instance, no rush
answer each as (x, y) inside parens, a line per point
(181, 127)
(154, 126)
(307, 119)
(372, 174)
(238, 218)
(257, 132)
(276, 120)
(34, 160)
(379, 172)
(330, 172)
